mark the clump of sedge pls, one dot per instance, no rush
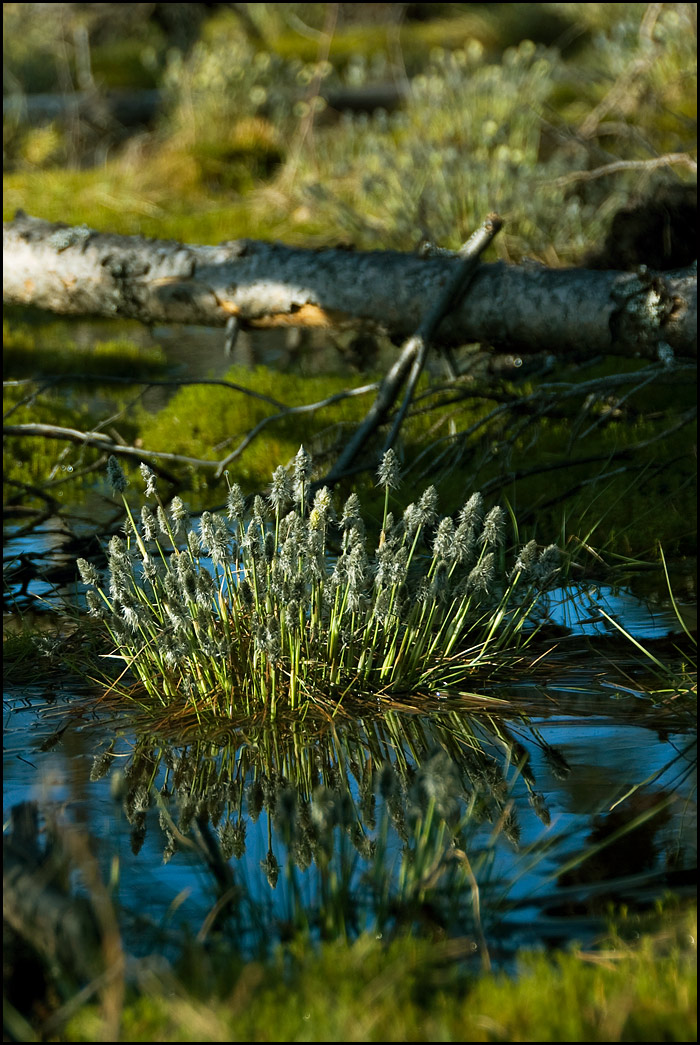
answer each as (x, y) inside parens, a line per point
(250, 610)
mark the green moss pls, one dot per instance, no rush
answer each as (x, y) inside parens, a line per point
(209, 422)
(49, 350)
(411, 991)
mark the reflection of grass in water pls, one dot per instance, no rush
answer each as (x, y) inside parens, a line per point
(336, 793)
(438, 887)
(434, 784)
(275, 624)
(446, 787)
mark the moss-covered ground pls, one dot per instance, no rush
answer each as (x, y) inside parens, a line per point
(414, 990)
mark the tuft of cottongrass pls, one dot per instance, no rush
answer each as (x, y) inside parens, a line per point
(115, 476)
(254, 613)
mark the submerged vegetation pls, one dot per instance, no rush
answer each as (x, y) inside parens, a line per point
(274, 623)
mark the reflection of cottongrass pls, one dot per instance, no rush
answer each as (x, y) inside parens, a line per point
(435, 804)
(272, 620)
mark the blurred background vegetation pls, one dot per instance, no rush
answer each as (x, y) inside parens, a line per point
(486, 107)
(382, 126)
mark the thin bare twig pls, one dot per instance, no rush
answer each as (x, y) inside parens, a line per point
(103, 442)
(549, 394)
(304, 409)
(414, 352)
(667, 160)
(505, 479)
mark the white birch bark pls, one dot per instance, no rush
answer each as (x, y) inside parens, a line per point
(525, 308)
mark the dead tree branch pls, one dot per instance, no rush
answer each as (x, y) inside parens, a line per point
(415, 350)
(525, 308)
(546, 400)
(108, 445)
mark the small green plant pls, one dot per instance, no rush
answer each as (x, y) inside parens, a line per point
(245, 618)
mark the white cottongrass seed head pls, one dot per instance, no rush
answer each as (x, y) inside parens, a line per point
(427, 506)
(389, 471)
(473, 512)
(494, 530)
(88, 573)
(235, 504)
(281, 494)
(115, 475)
(302, 473)
(149, 478)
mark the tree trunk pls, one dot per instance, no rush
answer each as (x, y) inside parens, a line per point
(524, 308)
(137, 108)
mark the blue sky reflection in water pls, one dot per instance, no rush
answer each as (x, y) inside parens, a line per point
(608, 758)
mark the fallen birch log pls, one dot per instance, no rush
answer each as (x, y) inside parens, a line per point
(572, 313)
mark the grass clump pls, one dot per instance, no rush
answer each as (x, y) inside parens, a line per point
(475, 136)
(256, 615)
